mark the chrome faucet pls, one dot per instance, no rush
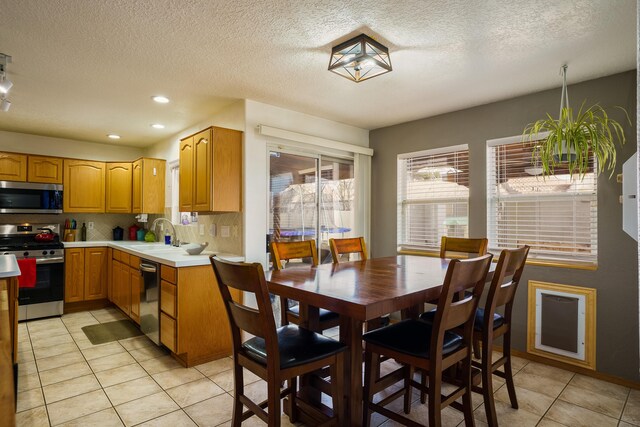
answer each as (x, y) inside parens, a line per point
(174, 240)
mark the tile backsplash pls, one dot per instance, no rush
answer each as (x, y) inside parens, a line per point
(103, 223)
(191, 233)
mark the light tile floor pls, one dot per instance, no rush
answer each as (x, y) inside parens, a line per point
(65, 380)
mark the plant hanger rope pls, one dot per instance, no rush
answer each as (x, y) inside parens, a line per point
(564, 98)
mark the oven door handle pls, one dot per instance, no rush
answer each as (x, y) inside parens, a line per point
(54, 260)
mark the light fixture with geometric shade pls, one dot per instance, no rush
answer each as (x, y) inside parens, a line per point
(360, 58)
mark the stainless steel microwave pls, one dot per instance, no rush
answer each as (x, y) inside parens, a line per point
(28, 197)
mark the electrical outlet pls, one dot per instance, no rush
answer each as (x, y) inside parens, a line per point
(225, 231)
(235, 231)
(212, 230)
(201, 229)
(90, 225)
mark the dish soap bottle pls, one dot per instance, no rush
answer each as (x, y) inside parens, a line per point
(83, 232)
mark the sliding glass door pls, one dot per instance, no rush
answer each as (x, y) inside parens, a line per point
(310, 197)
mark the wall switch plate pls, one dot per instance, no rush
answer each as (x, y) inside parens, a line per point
(212, 230)
(225, 231)
(90, 225)
(201, 229)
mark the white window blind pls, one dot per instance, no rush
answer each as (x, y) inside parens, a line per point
(433, 197)
(555, 215)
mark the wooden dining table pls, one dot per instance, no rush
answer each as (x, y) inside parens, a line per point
(360, 291)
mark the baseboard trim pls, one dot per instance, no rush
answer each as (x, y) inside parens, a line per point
(74, 307)
(573, 368)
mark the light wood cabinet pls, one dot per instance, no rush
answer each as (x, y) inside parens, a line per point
(211, 171)
(95, 273)
(118, 187)
(13, 167)
(186, 175)
(148, 185)
(84, 186)
(85, 274)
(73, 275)
(189, 306)
(126, 283)
(45, 169)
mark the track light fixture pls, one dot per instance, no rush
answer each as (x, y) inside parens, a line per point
(5, 104)
(5, 83)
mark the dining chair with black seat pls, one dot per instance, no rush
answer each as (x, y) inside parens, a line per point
(274, 354)
(458, 247)
(489, 325)
(306, 250)
(432, 348)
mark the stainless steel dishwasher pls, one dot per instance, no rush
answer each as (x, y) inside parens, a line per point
(149, 301)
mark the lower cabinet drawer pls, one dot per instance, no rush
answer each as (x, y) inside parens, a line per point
(168, 293)
(168, 329)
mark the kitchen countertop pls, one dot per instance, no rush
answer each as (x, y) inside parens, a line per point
(158, 252)
(9, 266)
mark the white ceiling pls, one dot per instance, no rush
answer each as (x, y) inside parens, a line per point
(85, 68)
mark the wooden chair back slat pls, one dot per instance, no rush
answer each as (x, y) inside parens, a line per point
(247, 319)
(347, 246)
(285, 251)
(456, 245)
(506, 278)
(462, 275)
(248, 278)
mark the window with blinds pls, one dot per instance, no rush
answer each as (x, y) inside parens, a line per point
(555, 215)
(433, 197)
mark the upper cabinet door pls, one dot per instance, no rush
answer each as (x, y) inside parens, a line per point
(13, 167)
(227, 170)
(186, 175)
(202, 148)
(45, 169)
(118, 188)
(84, 186)
(136, 206)
(153, 189)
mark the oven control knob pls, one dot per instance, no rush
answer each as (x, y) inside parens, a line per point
(26, 254)
(51, 252)
(44, 252)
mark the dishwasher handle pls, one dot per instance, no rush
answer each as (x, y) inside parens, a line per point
(148, 268)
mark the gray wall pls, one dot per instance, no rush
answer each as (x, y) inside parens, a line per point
(616, 278)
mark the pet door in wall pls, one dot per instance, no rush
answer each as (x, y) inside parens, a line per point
(561, 323)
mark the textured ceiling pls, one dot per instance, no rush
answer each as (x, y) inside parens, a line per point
(85, 68)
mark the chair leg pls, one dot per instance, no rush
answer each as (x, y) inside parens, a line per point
(508, 371)
(467, 404)
(292, 405)
(369, 381)
(337, 388)
(435, 398)
(238, 389)
(476, 348)
(423, 393)
(408, 376)
(273, 403)
(487, 383)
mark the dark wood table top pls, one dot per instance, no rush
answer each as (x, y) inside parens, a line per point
(363, 290)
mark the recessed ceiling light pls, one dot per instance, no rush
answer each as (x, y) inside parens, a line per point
(157, 126)
(160, 99)
(113, 136)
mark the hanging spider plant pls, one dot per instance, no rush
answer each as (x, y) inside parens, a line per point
(572, 141)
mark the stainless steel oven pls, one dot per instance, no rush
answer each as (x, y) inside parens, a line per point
(46, 298)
